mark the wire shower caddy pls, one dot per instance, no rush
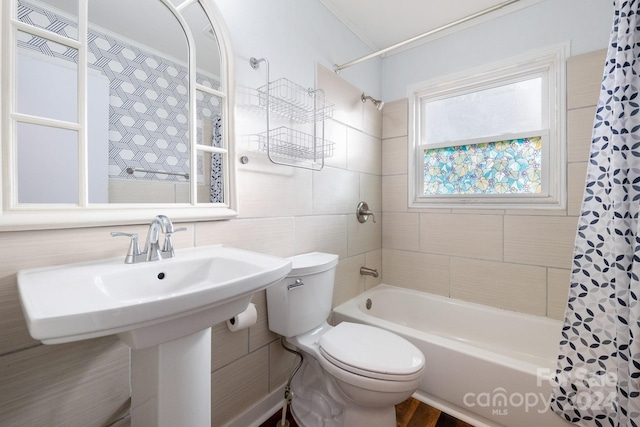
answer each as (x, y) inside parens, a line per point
(295, 103)
(293, 144)
(292, 101)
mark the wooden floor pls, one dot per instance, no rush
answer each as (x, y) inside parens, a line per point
(413, 413)
(410, 413)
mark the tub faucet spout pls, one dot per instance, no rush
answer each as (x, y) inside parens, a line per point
(365, 271)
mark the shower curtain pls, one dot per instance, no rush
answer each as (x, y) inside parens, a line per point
(216, 194)
(597, 381)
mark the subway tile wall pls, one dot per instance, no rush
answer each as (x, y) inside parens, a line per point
(283, 211)
(513, 259)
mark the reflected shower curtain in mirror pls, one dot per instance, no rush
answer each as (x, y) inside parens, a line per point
(217, 185)
(597, 380)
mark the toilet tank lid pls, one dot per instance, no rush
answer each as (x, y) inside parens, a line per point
(311, 263)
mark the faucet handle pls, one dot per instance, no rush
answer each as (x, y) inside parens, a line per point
(363, 212)
(167, 247)
(134, 248)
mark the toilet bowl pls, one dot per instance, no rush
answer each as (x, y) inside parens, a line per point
(352, 374)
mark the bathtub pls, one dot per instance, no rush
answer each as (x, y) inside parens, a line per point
(484, 365)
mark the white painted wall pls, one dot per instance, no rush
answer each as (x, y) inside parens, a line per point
(586, 23)
(294, 35)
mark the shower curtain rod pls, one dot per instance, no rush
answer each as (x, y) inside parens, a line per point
(337, 68)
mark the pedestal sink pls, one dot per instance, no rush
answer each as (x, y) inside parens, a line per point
(163, 310)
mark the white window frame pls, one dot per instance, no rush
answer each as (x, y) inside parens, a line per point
(550, 64)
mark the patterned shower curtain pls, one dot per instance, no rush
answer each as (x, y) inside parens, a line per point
(598, 373)
(217, 185)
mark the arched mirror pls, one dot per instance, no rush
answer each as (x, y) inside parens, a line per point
(114, 110)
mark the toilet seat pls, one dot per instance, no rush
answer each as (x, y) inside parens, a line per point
(371, 352)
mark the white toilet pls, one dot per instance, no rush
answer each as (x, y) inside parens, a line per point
(352, 375)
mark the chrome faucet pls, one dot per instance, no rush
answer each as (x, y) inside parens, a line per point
(152, 247)
(152, 251)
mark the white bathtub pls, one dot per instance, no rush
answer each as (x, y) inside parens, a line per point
(485, 366)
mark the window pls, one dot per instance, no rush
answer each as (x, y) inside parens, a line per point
(491, 137)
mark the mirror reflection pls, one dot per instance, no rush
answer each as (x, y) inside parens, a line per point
(138, 120)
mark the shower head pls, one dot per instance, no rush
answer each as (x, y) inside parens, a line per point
(379, 104)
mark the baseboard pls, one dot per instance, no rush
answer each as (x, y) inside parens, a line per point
(261, 411)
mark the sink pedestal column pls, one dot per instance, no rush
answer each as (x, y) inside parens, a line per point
(171, 383)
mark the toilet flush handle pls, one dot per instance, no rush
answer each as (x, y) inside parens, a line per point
(296, 284)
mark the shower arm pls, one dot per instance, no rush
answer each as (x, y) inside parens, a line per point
(337, 68)
(378, 103)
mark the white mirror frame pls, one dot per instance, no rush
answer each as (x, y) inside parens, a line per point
(45, 216)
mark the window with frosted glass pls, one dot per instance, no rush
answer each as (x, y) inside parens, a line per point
(491, 137)
(502, 167)
(506, 109)
(495, 165)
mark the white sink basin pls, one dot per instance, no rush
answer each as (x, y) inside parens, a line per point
(147, 303)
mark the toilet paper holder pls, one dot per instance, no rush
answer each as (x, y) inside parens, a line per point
(243, 320)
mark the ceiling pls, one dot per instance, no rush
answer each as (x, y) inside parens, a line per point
(382, 23)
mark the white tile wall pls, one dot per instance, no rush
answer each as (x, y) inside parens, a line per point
(394, 153)
(334, 191)
(68, 384)
(416, 270)
(364, 152)
(467, 236)
(364, 237)
(401, 231)
(511, 286)
(268, 190)
(558, 281)
(324, 233)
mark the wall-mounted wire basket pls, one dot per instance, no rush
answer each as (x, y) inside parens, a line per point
(292, 144)
(294, 102)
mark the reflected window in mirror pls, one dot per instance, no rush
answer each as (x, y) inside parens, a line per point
(111, 109)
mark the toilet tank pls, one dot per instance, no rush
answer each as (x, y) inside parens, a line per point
(302, 300)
